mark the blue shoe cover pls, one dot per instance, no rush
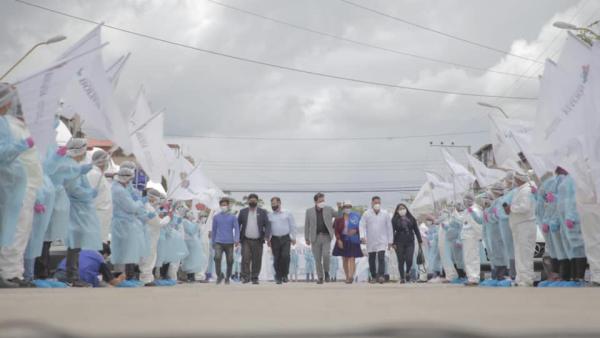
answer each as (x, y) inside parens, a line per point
(56, 284)
(128, 284)
(490, 283)
(543, 284)
(165, 282)
(41, 283)
(504, 283)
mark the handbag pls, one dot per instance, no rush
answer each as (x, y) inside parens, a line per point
(420, 256)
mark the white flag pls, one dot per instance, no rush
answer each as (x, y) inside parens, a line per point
(485, 176)
(461, 176)
(424, 202)
(147, 141)
(187, 182)
(441, 189)
(40, 95)
(90, 95)
(114, 71)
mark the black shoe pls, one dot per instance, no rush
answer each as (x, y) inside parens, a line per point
(21, 283)
(255, 281)
(150, 284)
(327, 278)
(320, 281)
(219, 280)
(380, 280)
(279, 282)
(227, 281)
(285, 279)
(4, 284)
(245, 281)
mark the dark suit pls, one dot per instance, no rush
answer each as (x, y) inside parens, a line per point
(252, 248)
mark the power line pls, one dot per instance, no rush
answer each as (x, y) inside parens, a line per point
(237, 190)
(438, 31)
(364, 44)
(365, 138)
(272, 65)
(324, 162)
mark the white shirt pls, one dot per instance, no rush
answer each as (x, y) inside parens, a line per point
(282, 223)
(376, 228)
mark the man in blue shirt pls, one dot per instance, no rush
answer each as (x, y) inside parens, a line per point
(224, 235)
(92, 265)
(283, 234)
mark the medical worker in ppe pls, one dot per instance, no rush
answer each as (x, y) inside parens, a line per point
(12, 254)
(471, 239)
(102, 202)
(153, 227)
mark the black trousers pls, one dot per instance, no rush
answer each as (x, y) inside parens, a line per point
(377, 264)
(251, 258)
(219, 250)
(72, 264)
(281, 255)
(42, 264)
(405, 253)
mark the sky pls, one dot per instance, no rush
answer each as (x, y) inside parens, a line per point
(209, 95)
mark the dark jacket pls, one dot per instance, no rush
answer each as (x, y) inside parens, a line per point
(405, 233)
(262, 219)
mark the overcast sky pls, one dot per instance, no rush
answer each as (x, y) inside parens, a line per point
(205, 94)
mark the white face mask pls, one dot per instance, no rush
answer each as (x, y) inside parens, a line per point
(224, 208)
(347, 211)
(377, 207)
(321, 205)
(402, 212)
(429, 223)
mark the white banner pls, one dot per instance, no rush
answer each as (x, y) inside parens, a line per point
(190, 183)
(40, 94)
(461, 176)
(424, 202)
(441, 189)
(114, 71)
(90, 95)
(147, 139)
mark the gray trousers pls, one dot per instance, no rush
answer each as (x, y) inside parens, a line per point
(251, 258)
(321, 249)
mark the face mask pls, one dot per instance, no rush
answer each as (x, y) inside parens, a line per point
(377, 207)
(402, 212)
(252, 204)
(347, 211)
(429, 223)
(321, 205)
(275, 207)
(225, 209)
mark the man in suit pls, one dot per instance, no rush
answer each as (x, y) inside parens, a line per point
(318, 232)
(254, 228)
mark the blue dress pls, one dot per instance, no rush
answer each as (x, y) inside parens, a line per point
(351, 242)
(13, 182)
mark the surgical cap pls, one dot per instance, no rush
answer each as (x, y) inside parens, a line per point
(128, 164)
(125, 175)
(100, 157)
(521, 177)
(76, 147)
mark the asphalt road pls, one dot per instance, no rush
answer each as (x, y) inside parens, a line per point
(303, 309)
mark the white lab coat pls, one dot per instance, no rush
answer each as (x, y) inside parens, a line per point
(524, 230)
(153, 227)
(377, 230)
(11, 257)
(103, 202)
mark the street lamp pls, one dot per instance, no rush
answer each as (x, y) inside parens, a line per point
(55, 39)
(487, 105)
(582, 30)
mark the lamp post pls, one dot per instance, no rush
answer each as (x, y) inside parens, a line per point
(50, 41)
(584, 32)
(487, 105)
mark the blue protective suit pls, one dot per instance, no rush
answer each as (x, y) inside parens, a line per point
(84, 227)
(13, 182)
(64, 169)
(171, 244)
(499, 255)
(194, 261)
(433, 256)
(552, 218)
(540, 211)
(504, 224)
(567, 211)
(45, 196)
(128, 242)
(453, 240)
(309, 262)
